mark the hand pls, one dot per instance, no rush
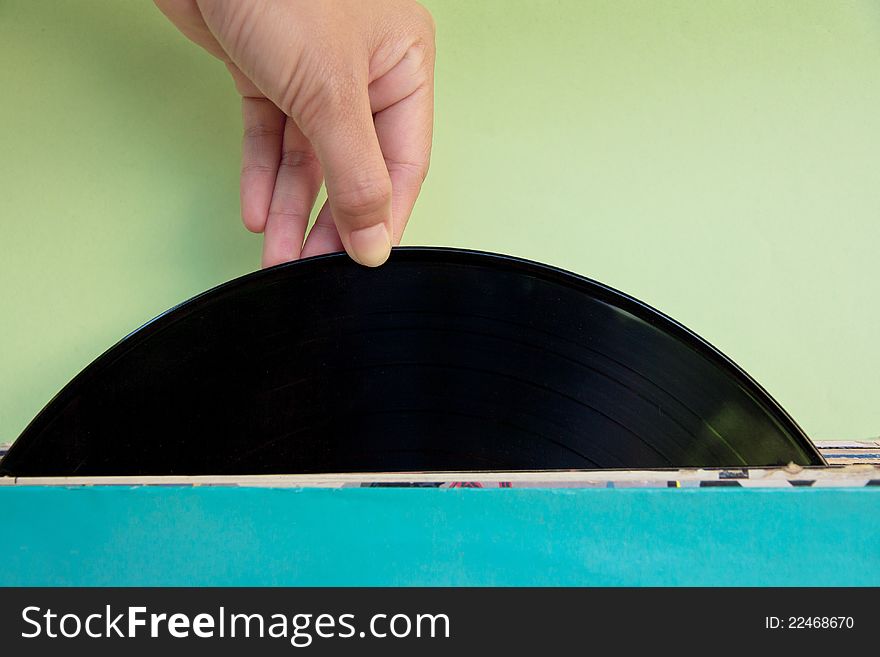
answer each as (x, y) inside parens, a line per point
(334, 90)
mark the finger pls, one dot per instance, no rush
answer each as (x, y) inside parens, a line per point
(412, 71)
(296, 187)
(405, 132)
(323, 237)
(358, 184)
(261, 155)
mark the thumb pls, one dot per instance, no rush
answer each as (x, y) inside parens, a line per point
(357, 179)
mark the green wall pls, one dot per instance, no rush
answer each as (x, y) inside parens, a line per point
(719, 160)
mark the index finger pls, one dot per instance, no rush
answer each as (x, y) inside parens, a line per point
(405, 132)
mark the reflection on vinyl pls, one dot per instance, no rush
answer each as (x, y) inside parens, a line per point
(439, 360)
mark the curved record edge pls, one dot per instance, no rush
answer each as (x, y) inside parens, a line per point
(607, 294)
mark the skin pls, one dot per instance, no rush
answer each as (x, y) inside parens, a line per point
(340, 91)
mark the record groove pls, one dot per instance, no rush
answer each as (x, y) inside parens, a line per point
(441, 359)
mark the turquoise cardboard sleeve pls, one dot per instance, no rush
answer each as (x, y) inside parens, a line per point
(195, 536)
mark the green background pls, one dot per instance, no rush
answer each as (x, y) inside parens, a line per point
(718, 160)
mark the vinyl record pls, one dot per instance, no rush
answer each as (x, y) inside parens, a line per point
(441, 359)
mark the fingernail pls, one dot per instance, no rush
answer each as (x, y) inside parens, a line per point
(371, 246)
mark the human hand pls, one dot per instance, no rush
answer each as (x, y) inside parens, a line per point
(333, 90)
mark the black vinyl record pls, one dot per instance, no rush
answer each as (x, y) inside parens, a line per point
(441, 359)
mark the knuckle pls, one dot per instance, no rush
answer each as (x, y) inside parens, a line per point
(415, 172)
(258, 168)
(364, 197)
(261, 130)
(298, 158)
(289, 213)
(323, 228)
